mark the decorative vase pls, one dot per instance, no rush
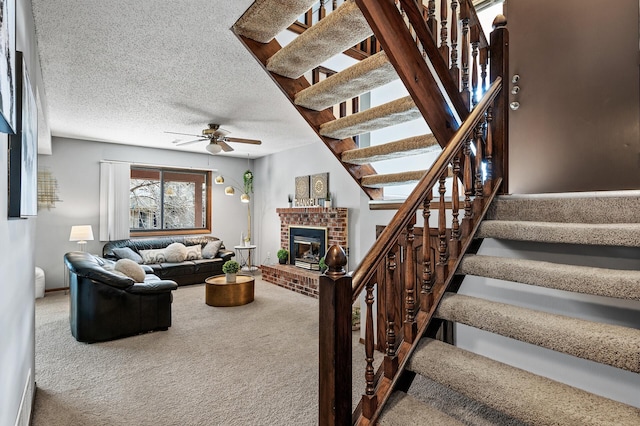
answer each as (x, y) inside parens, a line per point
(290, 204)
(327, 204)
(231, 278)
(282, 261)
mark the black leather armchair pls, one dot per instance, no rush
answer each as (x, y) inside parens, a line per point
(105, 305)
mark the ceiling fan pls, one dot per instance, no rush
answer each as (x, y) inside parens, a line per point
(217, 138)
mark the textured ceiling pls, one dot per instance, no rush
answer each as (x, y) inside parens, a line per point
(125, 71)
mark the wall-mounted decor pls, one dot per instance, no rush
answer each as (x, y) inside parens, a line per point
(319, 185)
(8, 78)
(23, 150)
(47, 190)
(302, 187)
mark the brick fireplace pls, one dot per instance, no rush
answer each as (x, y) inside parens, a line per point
(300, 280)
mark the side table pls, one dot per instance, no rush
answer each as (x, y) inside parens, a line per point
(245, 255)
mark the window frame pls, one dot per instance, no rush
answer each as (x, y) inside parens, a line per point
(208, 176)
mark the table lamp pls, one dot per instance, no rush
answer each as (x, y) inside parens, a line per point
(81, 233)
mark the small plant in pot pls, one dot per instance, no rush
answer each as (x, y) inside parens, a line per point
(283, 256)
(231, 268)
(322, 265)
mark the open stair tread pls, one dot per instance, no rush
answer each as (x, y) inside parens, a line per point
(261, 24)
(604, 343)
(404, 410)
(603, 234)
(405, 147)
(395, 112)
(362, 77)
(621, 284)
(392, 179)
(533, 399)
(338, 31)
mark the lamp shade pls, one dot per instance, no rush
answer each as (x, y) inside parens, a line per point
(213, 148)
(219, 180)
(245, 198)
(229, 190)
(81, 233)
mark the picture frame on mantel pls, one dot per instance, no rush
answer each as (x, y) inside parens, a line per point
(23, 150)
(8, 64)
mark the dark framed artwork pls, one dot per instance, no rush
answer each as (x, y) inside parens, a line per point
(8, 78)
(23, 150)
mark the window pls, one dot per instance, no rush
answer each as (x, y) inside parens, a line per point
(168, 201)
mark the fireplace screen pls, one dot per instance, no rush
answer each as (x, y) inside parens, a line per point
(308, 245)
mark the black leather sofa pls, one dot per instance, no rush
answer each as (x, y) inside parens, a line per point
(105, 305)
(183, 273)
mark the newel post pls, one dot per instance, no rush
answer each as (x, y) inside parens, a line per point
(499, 58)
(335, 341)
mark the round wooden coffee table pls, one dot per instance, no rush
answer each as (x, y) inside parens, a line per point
(218, 292)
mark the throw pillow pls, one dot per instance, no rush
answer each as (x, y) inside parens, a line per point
(127, 253)
(194, 252)
(211, 249)
(130, 269)
(175, 252)
(153, 256)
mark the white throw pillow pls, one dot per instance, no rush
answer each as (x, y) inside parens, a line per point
(130, 269)
(211, 249)
(153, 256)
(194, 252)
(175, 252)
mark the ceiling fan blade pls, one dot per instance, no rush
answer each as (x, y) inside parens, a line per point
(184, 134)
(224, 146)
(190, 142)
(241, 140)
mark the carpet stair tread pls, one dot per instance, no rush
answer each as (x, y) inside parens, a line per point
(405, 410)
(392, 179)
(395, 112)
(362, 77)
(605, 207)
(604, 343)
(338, 31)
(601, 234)
(259, 23)
(533, 399)
(405, 147)
(621, 284)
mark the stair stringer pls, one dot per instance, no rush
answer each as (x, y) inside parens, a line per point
(262, 52)
(603, 380)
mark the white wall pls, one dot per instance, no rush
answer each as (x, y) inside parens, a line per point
(76, 166)
(17, 263)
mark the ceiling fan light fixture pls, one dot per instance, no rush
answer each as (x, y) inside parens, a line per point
(213, 148)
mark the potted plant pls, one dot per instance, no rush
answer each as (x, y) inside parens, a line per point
(283, 256)
(355, 318)
(231, 268)
(327, 201)
(322, 265)
(290, 198)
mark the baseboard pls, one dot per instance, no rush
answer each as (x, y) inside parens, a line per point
(51, 290)
(25, 413)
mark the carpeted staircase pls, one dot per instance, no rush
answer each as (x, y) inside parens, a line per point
(341, 29)
(530, 398)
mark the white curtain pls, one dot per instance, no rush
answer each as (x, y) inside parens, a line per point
(114, 201)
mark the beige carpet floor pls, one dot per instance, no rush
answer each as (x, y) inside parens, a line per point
(249, 365)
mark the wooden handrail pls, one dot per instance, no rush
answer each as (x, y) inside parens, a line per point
(383, 244)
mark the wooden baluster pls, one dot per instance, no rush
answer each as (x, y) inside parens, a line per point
(478, 199)
(454, 242)
(484, 62)
(489, 153)
(444, 35)
(308, 17)
(391, 358)
(355, 107)
(369, 399)
(343, 109)
(468, 188)
(427, 286)
(441, 266)
(432, 22)
(464, 16)
(475, 42)
(455, 71)
(322, 12)
(410, 325)
(334, 5)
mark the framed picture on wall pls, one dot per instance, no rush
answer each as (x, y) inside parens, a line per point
(23, 150)
(8, 78)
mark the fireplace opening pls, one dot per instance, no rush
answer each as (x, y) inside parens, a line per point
(307, 246)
